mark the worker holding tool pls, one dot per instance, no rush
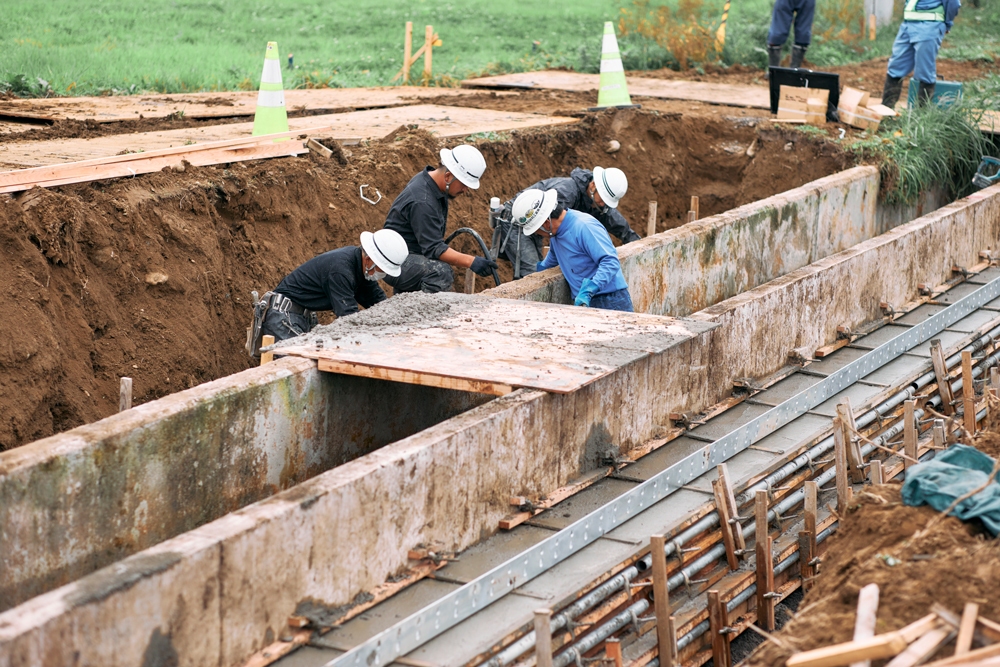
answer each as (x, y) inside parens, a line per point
(420, 215)
(785, 11)
(339, 280)
(595, 193)
(925, 23)
(579, 246)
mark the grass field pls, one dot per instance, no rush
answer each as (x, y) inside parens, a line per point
(74, 47)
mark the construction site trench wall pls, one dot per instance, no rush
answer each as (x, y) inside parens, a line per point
(237, 578)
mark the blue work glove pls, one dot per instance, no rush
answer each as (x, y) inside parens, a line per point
(587, 289)
(539, 267)
(483, 267)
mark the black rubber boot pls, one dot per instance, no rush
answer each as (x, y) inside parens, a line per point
(773, 58)
(925, 93)
(798, 55)
(891, 90)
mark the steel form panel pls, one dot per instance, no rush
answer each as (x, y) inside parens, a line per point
(415, 630)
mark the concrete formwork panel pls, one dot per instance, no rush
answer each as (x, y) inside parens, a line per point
(75, 502)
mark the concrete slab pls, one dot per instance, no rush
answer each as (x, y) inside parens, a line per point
(858, 393)
(949, 339)
(583, 503)
(564, 580)
(494, 550)
(901, 367)
(921, 313)
(975, 321)
(729, 421)
(789, 436)
(833, 363)
(986, 276)
(664, 517)
(784, 389)
(957, 293)
(664, 457)
(879, 337)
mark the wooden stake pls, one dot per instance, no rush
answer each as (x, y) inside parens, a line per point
(864, 623)
(938, 432)
(692, 216)
(875, 472)
(809, 509)
(966, 628)
(543, 637)
(855, 473)
(871, 27)
(806, 570)
(718, 624)
(651, 225)
(727, 528)
(734, 511)
(428, 47)
(470, 282)
(765, 565)
(407, 47)
(995, 381)
(125, 395)
(941, 374)
(266, 357)
(694, 207)
(665, 637)
(840, 463)
(909, 434)
(613, 651)
(968, 393)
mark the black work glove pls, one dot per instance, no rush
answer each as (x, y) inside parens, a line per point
(483, 267)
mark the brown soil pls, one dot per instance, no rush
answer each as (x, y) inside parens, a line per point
(948, 562)
(80, 260)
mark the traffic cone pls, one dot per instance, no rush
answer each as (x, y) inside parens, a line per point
(613, 91)
(270, 116)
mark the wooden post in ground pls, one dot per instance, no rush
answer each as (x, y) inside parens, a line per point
(765, 565)
(266, 357)
(941, 374)
(810, 506)
(470, 282)
(651, 225)
(407, 47)
(968, 392)
(909, 434)
(871, 27)
(966, 629)
(734, 511)
(840, 465)
(995, 381)
(875, 472)
(666, 637)
(691, 216)
(125, 395)
(543, 637)
(718, 626)
(805, 560)
(855, 471)
(864, 622)
(937, 431)
(613, 651)
(428, 46)
(727, 528)
(694, 207)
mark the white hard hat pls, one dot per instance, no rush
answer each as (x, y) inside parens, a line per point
(611, 184)
(466, 163)
(386, 248)
(532, 208)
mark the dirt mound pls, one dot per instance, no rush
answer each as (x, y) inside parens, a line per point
(915, 564)
(150, 277)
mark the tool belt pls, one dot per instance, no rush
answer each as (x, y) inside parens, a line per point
(261, 305)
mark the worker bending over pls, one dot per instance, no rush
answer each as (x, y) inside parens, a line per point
(579, 246)
(925, 23)
(339, 280)
(595, 193)
(420, 215)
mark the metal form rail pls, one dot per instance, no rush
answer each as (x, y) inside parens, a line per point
(778, 436)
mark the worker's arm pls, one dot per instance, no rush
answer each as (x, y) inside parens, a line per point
(481, 265)
(369, 293)
(602, 251)
(549, 261)
(951, 8)
(340, 291)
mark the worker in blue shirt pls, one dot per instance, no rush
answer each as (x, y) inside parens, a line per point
(579, 245)
(781, 24)
(925, 23)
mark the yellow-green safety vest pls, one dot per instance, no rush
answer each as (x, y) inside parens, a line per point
(910, 12)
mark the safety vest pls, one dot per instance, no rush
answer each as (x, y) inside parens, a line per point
(910, 12)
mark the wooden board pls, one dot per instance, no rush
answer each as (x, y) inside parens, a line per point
(494, 345)
(696, 91)
(374, 123)
(214, 104)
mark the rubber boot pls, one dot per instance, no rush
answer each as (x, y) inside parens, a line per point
(798, 55)
(925, 93)
(891, 90)
(773, 58)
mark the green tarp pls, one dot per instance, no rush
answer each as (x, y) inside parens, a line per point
(950, 475)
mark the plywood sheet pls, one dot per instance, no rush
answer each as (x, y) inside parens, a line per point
(214, 104)
(493, 345)
(374, 123)
(696, 91)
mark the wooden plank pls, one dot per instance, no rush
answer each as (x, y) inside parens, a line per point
(840, 463)
(613, 651)
(266, 357)
(697, 91)
(444, 121)
(718, 624)
(493, 345)
(125, 395)
(554, 498)
(875, 472)
(971, 658)
(734, 511)
(968, 393)
(922, 648)
(941, 374)
(918, 628)
(666, 640)
(967, 628)
(805, 559)
(543, 638)
(909, 434)
(855, 472)
(726, 527)
(882, 646)
(764, 564)
(864, 622)
(651, 225)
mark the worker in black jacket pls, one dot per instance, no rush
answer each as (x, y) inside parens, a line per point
(339, 280)
(595, 193)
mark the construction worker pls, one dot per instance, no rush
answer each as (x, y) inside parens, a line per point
(579, 246)
(595, 193)
(420, 215)
(339, 280)
(925, 23)
(785, 11)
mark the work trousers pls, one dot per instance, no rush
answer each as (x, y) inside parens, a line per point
(284, 325)
(910, 53)
(617, 300)
(785, 11)
(422, 274)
